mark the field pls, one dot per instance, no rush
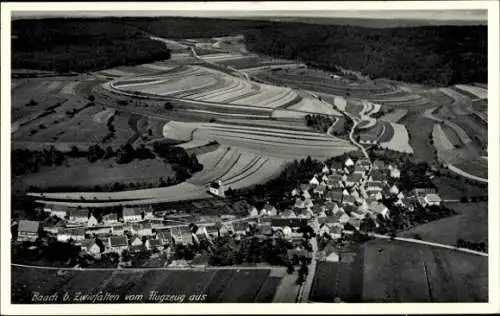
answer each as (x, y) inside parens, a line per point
(79, 172)
(475, 91)
(454, 188)
(236, 168)
(394, 116)
(471, 224)
(395, 137)
(208, 85)
(185, 286)
(402, 272)
(419, 128)
(337, 279)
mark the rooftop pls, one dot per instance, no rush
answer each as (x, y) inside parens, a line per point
(28, 226)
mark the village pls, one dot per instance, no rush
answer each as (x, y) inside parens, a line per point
(345, 197)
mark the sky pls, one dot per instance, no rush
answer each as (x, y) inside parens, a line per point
(469, 15)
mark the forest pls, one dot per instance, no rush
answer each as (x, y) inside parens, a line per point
(440, 55)
(437, 55)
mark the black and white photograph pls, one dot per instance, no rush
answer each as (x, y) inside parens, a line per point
(163, 156)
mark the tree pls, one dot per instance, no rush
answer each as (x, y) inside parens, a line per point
(168, 106)
(91, 98)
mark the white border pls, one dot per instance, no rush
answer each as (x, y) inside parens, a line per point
(226, 308)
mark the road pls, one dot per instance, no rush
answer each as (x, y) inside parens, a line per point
(427, 243)
(305, 289)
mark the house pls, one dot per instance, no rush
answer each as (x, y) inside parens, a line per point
(110, 219)
(164, 236)
(118, 229)
(240, 228)
(306, 195)
(78, 216)
(395, 173)
(131, 214)
(182, 235)
(277, 222)
(304, 213)
(216, 188)
(325, 169)
(314, 181)
(136, 240)
(379, 208)
(76, 234)
(336, 166)
(266, 230)
(288, 213)
(353, 179)
(320, 189)
(349, 200)
(348, 162)
(305, 187)
(364, 163)
(330, 254)
(335, 232)
(99, 230)
(394, 190)
(342, 217)
(378, 175)
(378, 164)
(334, 196)
(432, 199)
(253, 212)
(151, 244)
(308, 203)
(299, 203)
(149, 213)
(53, 224)
(324, 179)
(137, 248)
(372, 186)
(294, 192)
(92, 221)
(56, 210)
(355, 222)
(285, 231)
(142, 229)
(359, 170)
(299, 252)
(424, 191)
(28, 230)
(268, 210)
(90, 247)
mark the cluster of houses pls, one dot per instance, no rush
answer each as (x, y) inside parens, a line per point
(338, 197)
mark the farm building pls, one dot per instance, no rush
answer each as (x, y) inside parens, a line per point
(110, 219)
(432, 199)
(117, 244)
(90, 247)
(154, 244)
(268, 210)
(142, 229)
(217, 189)
(131, 214)
(378, 175)
(76, 234)
(78, 216)
(28, 230)
(56, 210)
(92, 221)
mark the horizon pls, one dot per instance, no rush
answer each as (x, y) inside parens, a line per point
(429, 15)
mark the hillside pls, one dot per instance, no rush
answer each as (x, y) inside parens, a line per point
(441, 55)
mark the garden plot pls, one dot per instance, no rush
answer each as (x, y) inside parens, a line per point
(399, 140)
(478, 92)
(395, 116)
(459, 101)
(451, 136)
(441, 141)
(314, 106)
(464, 138)
(275, 142)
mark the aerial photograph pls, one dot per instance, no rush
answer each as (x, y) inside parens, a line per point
(243, 157)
